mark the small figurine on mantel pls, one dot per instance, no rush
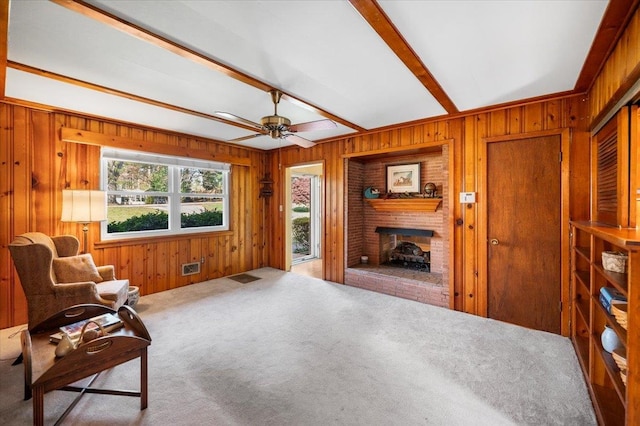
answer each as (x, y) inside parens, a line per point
(430, 190)
(371, 192)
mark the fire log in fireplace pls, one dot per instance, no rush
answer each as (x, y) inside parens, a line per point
(404, 253)
(410, 255)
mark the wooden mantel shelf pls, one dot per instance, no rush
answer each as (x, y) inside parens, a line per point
(405, 204)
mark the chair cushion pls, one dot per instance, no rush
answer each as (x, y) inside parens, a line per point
(116, 291)
(74, 269)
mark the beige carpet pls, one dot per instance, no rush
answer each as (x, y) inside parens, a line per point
(293, 350)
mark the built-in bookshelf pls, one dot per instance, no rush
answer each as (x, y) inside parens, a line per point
(615, 402)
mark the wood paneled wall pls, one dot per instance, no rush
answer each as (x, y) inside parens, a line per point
(466, 132)
(35, 165)
(619, 73)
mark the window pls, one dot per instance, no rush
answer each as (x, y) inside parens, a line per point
(150, 195)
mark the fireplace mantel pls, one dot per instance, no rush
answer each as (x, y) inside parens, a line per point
(405, 204)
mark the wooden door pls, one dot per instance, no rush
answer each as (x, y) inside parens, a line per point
(524, 213)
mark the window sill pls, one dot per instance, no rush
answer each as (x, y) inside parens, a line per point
(159, 239)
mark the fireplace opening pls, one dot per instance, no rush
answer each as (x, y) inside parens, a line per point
(412, 251)
(409, 255)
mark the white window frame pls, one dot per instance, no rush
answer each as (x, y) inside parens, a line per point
(174, 195)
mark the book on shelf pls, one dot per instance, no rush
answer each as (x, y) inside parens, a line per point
(109, 322)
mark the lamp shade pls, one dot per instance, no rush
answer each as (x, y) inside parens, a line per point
(83, 206)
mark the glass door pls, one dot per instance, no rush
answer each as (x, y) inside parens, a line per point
(305, 213)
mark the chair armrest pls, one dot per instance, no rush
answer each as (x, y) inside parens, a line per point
(81, 289)
(66, 245)
(107, 272)
(79, 293)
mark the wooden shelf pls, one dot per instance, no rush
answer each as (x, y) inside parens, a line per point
(581, 345)
(615, 403)
(608, 407)
(616, 279)
(584, 278)
(623, 237)
(584, 252)
(405, 204)
(611, 321)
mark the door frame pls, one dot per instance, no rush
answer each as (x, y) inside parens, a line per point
(287, 247)
(482, 243)
(315, 217)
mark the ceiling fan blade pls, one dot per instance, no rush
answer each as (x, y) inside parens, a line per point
(244, 138)
(312, 125)
(305, 143)
(234, 117)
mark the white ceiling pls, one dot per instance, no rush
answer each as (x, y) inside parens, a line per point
(323, 53)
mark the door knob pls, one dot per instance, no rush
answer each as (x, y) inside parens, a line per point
(494, 241)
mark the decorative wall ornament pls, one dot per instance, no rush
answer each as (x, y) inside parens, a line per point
(266, 190)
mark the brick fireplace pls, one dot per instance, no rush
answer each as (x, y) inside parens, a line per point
(361, 238)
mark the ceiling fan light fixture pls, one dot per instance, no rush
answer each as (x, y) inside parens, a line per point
(278, 127)
(275, 122)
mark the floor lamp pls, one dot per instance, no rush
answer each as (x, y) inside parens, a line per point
(83, 206)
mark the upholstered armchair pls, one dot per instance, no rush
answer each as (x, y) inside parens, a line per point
(55, 277)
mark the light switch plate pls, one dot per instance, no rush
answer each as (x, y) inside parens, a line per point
(467, 197)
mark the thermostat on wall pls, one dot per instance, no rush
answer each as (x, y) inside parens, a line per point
(467, 197)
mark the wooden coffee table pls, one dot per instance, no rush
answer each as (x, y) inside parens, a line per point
(44, 372)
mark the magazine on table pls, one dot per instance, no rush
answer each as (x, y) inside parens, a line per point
(109, 322)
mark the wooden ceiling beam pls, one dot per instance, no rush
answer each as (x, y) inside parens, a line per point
(120, 24)
(380, 22)
(614, 21)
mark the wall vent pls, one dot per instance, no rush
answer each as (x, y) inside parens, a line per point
(190, 268)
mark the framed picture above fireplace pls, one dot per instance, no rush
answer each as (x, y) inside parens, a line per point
(403, 178)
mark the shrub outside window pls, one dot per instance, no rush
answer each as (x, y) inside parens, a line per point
(150, 195)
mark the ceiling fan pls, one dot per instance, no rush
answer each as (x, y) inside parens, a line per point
(279, 127)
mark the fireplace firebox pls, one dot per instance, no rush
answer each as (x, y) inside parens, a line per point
(409, 255)
(412, 252)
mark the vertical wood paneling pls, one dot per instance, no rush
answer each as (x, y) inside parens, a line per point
(469, 277)
(533, 118)
(620, 72)
(31, 147)
(43, 176)
(515, 120)
(138, 274)
(456, 244)
(579, 159)
(338, 236)
(466, 250)
(499, 121)
(151, 263)
(239, 250)
(174, 265)
(21, 212)
(244, 248)
(6, 196)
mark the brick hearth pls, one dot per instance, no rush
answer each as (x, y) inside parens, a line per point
(420, 286)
